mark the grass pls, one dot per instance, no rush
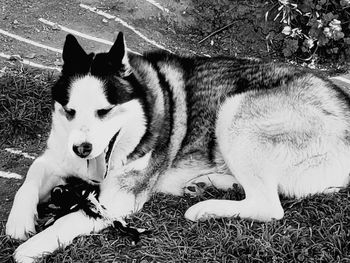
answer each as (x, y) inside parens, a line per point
(25, 108)
(314, 229)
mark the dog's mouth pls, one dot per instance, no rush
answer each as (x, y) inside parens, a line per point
(109, 151)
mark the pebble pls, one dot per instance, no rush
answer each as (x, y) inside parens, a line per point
(56, 27)
(15, 58)
(58, 63)
(30, 55)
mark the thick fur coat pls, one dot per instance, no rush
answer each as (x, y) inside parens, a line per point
(166, 123)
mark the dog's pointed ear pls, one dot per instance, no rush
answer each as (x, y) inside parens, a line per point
(72, 51)
(119, 57)
(76, 60)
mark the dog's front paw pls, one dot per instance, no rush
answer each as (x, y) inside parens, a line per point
(22, 219)
(19, 257)
(36, 247)
(24, 254)
(21, 223)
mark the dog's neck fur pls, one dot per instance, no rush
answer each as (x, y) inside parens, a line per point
(153, 105)
(128, 138)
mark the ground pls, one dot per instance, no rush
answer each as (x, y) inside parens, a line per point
(314, 229)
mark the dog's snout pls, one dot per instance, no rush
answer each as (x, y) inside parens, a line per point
(82, 150)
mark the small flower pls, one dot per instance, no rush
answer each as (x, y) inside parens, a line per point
(335, 25)
(309, 43)
(296, 32)
(334, 30)
(284, 2)
(287, 30)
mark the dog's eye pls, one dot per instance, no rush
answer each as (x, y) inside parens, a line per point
(70, 113)
(103, 112)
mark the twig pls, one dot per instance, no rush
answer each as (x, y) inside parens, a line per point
(310, 57)
(216, 32)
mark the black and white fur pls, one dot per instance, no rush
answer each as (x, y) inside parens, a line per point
(179, 122)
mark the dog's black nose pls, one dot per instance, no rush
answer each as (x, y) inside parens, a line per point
(82, 150)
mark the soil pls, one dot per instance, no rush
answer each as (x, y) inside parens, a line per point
(180, 30)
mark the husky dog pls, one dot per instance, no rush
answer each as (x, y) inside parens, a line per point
(165, 123)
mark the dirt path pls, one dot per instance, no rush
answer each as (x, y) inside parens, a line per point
(22, 18)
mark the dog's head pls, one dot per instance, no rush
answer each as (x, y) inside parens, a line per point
(95, 97)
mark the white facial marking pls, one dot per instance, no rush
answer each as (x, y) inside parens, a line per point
(87, 95)
(86, 98)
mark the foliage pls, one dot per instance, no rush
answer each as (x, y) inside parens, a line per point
(313, 28)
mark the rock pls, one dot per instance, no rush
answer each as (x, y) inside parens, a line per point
(3, 71)
(56, 27)
(15, 58)
(30, 55)
(58, 63)
(105, 21)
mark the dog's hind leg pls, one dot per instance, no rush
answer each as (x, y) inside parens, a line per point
(252, 165)
(261, 202)
(40, 179)
(60, 234)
